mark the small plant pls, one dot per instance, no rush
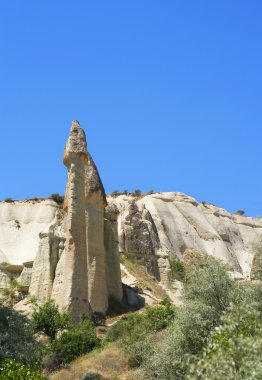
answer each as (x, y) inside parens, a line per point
(240, 212)
(49, 320)
(132, 257)
(256, 271)
(99, 319)
(8, 200)
(150, 192)
(92, 376)
(115, 193)
(137, 192)
(33, 300)
(12, 294)
(59, 199)
(17, 224)
(178, 270)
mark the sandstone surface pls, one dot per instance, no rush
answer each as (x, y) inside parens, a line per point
(164, 225)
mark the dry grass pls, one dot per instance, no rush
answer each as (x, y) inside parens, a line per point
(111, 363)
(144, 279)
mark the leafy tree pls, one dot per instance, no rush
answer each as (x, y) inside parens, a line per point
(208, 292)
(235, 348)
(13, 370)
(137, 192)
(8, 200)
(57, 198)
(17, 339)
(208, 282)
(75, 342)
(49, 320)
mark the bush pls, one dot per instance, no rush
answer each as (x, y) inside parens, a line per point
(132, 257)
(8, 200)
(92, 376)
(12, 294)
(115, 193)
(49, 320)
(57, 198)
(159, 317)
(256, 272)
(178, 270)
(17, 339)
(235, 349)
(127, 328)
(137, 192)
(240, 212)
(75, 342)
(208, 293)
(12, 370)
(134, 327)
(209, 283)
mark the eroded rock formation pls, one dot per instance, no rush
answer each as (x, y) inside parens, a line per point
(164, 225)
(77, 263)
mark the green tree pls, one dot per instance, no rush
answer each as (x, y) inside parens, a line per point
(208, 292)
(75, 342)
(235, 348)
(13, 370)
(57, 198)
(49, 320)
(208, 282)
(17, 339)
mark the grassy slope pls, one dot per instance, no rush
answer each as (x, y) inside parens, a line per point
(111, 362)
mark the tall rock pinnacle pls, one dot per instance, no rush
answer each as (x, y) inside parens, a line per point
(75, 284)
(80, 253)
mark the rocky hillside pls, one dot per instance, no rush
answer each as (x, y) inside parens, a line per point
(164, 225)
(155, 227)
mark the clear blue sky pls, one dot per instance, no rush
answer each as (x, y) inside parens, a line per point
(168, 92)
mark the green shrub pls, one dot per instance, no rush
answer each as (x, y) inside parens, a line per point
(57, 198)
(17, 339)
(159, 317)
(132, 257)
(115, 193)
(208, 293)
(8, 200)
(12, 370)
(256, 273)
(92, 376)
(178, 270)
(49, 320)
(209, 283)
(137, 192)
(75, 342)
(235, 348)
(134, 326)
(127, 328)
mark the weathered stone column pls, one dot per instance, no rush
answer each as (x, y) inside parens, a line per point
(114, 284)
(75, 284)
(95, 203)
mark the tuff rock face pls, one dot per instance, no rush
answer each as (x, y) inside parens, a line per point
(164, 225)
(79, 252)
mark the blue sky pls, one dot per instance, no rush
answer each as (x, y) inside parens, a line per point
(168, 92)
